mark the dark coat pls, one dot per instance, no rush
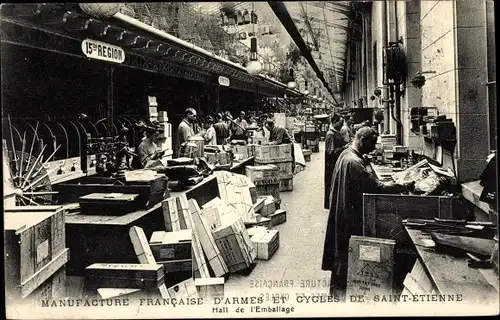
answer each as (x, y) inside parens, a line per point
(349, 181)
(334, 145)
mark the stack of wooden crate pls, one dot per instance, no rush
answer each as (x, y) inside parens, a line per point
(265, 179)
(35, 254)
(280, 156)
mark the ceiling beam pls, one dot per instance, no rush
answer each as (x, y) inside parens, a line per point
(286, 20)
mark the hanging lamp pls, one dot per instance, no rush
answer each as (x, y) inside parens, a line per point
(291, 84)
(254, 67)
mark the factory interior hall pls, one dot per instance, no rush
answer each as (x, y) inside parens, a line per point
(249, 159)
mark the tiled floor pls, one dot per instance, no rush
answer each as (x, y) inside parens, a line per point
(298, 259)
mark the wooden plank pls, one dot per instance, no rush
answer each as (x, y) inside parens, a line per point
(144, 254)
(299, 156)
(207, 241)
(370, 267)
(30, 284)
(180, 215)
(199, 264)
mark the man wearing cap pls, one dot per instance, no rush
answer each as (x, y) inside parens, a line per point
(187, 128)
(240, 126)
(148, 152)
(278, 134)
(350, 180)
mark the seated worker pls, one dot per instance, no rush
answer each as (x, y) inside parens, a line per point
(148, 154)
(277, 134)
(210, 134)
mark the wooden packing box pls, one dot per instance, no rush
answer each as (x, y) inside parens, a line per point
(278, 217)
(383, 213)
(174, 245)
(285, 169)
(269, 190)
(262, 175)
(51, 289)
(286, 184)
(115, 204)
(253, 192)
(210, 288)
(266, 154)
(234, 190)
(207, 241)
(34, 244)
(150, 192)
(124, 275)
(266, 243)
(184, 289)
(234, 243)
(269, 206)
(370, 267)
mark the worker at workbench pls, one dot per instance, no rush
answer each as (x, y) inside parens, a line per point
(148, 153)
(350, 180)
(334, 145)
(277, 134)
(239, 126)
(188, 127)
(222, 131)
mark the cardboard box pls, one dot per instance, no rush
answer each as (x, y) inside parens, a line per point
(124, 275)
(210, 288)
(266, 243)
(174, 245)
(370, 267)
(278, 217)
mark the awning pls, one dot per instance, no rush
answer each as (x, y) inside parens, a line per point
(63, 27)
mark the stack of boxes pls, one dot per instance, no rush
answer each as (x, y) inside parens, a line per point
(265, 179)
(280, 156)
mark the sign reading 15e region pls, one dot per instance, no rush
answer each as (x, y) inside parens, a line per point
(102, 51)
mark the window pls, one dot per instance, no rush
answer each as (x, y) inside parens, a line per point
(491, 66)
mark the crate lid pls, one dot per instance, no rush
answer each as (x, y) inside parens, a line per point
(21, 221)
(110, 196)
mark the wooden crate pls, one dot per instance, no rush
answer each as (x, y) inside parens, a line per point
(370, 267)
(114, 204)
(259, 222)
(234, 190)
(286, 184)
(262, 174)
(269, 207)
(285, 169)
(266, 243)
(254, 230)
(210, 288)
(235, 245)
(383, 214)
(34, 244)
(269, 190)
(124, 275)
(185, 289)
(207, 241)
(278, 217)
(168, 246)
(273, 153)
(51, 289)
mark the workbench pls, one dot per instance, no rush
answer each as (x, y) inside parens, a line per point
(450, 274)
(105, 239)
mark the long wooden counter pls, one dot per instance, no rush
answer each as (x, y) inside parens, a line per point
(97, 238)
(451, 275)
